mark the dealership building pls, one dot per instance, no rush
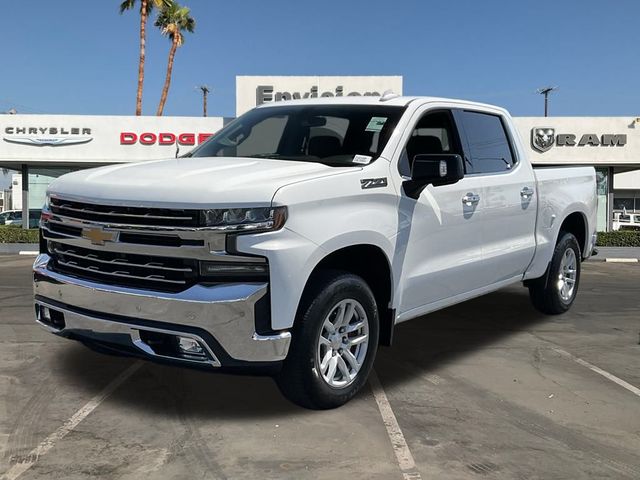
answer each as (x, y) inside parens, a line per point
(43, 147)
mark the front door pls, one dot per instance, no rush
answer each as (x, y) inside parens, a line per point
(440, 230)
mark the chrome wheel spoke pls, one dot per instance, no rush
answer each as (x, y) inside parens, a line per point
(325, 362)
(357, 340)
(328, 326)
(353, 361)
(337, 321)
(348, 315)
(342, 366)
(333, 364)
(354, 327)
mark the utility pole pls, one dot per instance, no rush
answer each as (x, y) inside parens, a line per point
(205, 91)
(546, 91)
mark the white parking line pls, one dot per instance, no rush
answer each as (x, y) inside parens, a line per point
(633, 389)
(27, 252)
(398, 442)
(68, 426)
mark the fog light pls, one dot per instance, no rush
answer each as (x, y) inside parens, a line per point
(190, 346)
(45, 313)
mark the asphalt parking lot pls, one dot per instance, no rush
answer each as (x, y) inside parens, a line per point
(486, 389)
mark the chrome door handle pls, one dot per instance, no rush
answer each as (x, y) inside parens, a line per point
(526, 193)
(470, 199)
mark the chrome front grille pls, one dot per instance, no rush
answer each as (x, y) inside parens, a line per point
(124, 269)
(118, 215)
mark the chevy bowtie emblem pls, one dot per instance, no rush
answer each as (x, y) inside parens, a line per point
(99, 236)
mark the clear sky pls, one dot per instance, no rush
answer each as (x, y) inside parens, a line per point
(80, 56)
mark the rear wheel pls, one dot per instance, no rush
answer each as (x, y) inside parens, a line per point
(334, 342)
(555, 292)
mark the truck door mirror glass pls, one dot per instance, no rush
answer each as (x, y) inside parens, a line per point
(434, 169)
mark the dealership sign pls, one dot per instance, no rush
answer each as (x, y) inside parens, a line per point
(252, 91)
(47, 136)
(543, 138)
(163, 138)
(267, 93)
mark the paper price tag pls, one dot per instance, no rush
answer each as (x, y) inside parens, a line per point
(362, 159)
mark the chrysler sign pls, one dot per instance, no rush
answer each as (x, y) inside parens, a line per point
(543, 138)
(47, 136)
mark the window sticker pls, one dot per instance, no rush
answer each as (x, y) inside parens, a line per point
(362, 159)
(376, 124)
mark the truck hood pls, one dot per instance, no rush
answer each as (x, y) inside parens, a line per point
(189, 182)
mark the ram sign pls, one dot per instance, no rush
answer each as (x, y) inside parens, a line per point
(613, 141)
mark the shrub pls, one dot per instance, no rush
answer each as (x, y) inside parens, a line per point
(15, 234)
(621, 238)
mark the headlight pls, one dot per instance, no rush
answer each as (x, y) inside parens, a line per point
(244, 219)
(45, 213)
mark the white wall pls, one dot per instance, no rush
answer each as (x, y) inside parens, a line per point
(627, 181)
(104, 134)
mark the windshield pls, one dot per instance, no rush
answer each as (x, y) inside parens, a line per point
(337, 135)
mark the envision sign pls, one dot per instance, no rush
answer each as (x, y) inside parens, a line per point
(543, 138)
(265, 93)
(252, 91)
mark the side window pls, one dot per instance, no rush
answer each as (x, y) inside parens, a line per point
(489, 147)
(434, 133)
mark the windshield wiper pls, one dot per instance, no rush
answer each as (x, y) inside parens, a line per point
(265, 155)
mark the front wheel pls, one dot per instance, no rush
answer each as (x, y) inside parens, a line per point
(334, 342)
(554, 293)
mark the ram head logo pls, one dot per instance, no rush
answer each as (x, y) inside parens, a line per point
(542, 138)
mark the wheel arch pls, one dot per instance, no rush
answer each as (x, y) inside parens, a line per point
(576, 224)
(372, 264)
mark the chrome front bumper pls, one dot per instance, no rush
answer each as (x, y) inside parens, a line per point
(226, 313)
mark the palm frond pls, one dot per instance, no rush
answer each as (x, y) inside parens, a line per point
(127, 5)
(173, 19)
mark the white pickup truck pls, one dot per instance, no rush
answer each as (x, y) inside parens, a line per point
(295, 239)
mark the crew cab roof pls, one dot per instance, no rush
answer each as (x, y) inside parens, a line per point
(400, 101)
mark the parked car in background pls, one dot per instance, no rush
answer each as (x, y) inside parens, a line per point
(14, 217)
(626, 221)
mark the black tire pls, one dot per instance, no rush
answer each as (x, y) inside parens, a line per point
(545, 292)
(300, 380)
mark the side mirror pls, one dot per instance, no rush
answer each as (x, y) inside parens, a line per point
(436, 170)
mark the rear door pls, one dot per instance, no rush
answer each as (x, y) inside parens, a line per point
(508, 192)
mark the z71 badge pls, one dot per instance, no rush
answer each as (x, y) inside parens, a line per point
(373, 182)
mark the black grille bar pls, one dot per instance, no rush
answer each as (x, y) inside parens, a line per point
(145, 272)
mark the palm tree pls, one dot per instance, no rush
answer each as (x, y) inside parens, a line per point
(145, 8)
(172, 20)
